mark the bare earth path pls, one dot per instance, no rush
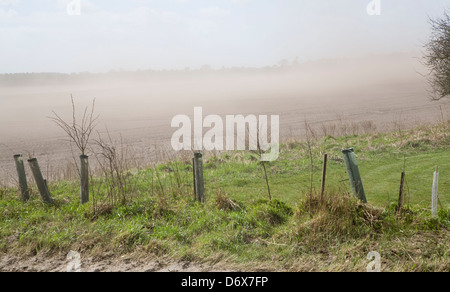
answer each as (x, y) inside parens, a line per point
(41, 263)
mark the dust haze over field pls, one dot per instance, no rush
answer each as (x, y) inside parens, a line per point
(339, 67)
(388, 90)
(332, 71)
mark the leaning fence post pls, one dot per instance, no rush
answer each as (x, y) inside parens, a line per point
(199, 185)
(434, 197)
(84, 177)
(353, 174)
(37, 174)
(22, 177)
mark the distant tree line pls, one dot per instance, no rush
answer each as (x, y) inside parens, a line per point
(19, 79)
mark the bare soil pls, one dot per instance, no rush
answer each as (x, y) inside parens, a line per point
(139, 113)
(60, 263)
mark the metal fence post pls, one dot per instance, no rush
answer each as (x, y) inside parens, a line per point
(199, 185)
(353, 174)
(22, 177)
(37, 174)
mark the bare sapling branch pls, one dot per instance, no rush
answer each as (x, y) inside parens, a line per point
(260, 151)
(309, 143)
(79, 134)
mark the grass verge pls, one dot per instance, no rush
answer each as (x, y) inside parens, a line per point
(238, 226)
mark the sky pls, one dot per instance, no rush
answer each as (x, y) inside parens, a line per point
(44, 36)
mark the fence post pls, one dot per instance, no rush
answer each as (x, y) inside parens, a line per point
(199, 185)
(22, 177)
(324, 176)
(400, 196)
(37, 174)
(84, 177)
(193, 174)
(434, 197)
(353, 174)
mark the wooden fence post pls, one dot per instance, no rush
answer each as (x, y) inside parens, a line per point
(324, 176)
(400, 196)
(199, 185)
(22, 177)
(84, 177)
(37, 174)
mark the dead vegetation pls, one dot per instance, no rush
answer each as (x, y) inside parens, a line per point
(337, 216)
(224, 203)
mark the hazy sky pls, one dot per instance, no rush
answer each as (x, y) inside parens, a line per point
(40, 36)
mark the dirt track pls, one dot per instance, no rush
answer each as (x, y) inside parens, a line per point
(60, 263)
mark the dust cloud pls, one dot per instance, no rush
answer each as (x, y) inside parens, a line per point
(139, 106)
